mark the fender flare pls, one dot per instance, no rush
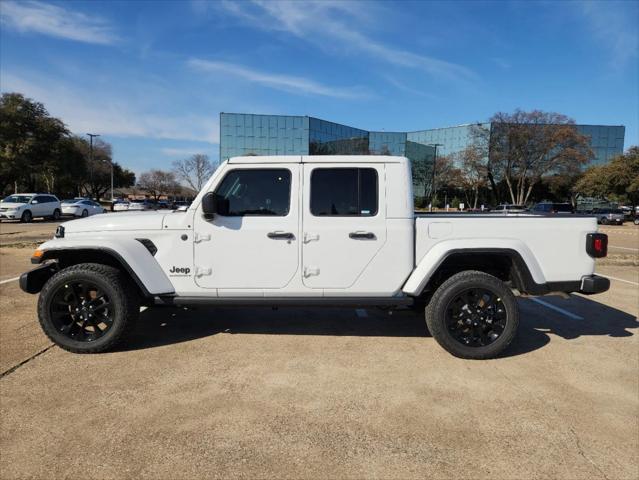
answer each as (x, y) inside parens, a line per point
(130, 254)
(524, 260)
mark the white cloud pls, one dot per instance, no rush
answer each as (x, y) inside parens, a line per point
(332, 25)
(85, 112)
(55, 21)
(293, 84)
(614, 24)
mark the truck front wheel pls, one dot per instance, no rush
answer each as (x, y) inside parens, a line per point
(87, 308)
(473, 315)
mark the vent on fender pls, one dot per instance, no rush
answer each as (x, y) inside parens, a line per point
(149, 245)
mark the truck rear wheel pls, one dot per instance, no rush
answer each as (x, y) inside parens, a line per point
(87, 308)
(473, 315)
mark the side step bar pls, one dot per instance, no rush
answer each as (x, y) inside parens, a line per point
(286, 301)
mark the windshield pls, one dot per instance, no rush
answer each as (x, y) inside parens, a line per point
(18, 199)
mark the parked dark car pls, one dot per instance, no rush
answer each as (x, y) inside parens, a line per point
(551, 207)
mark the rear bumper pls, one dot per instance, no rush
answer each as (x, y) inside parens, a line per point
(592, 284)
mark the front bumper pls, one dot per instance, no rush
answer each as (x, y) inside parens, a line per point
(592, 284)
(9, 215)
(34, 280)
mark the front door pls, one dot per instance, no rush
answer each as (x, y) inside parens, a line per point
(254, 246)
(344, 222)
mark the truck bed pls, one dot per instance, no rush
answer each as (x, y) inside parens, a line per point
(553, 247)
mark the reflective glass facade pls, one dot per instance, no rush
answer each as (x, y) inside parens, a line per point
(606, 141)
(248, 134)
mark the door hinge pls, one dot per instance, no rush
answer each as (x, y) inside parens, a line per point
(199, 237)
(310, 237)
(311, 271)
(203, 271)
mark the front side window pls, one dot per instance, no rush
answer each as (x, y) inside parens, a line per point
(344, 192)
(264, 192)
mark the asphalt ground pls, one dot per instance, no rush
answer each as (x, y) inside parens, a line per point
(309, 393)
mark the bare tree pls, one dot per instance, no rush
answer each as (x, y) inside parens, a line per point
(474, 172)
(524, 146)
(195, 171)
(157, 183)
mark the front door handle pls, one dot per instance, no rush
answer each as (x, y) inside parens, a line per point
(362, 235)
(280, 235)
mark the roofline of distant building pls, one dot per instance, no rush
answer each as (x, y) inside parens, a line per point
(407, 131)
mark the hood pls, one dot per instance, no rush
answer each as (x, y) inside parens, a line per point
(11, 205)
(112, 222)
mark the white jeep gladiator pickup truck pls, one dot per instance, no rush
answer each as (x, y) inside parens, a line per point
(311, 231)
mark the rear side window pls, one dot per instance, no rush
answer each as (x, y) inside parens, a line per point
(257, 192)
(344, 192)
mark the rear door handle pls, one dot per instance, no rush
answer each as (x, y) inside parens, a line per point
(280, 235)
(362, 235)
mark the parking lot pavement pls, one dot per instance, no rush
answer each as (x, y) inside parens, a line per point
(324, 393)
(18, 234)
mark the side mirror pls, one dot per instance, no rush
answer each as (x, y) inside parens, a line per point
(212, 204)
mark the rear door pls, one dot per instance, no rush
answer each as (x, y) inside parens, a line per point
(344, 222)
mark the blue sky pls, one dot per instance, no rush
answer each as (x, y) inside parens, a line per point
(151, 78)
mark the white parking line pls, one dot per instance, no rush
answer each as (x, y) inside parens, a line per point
(557, 309)
(624, 248)
(618, 279)
(9, 280)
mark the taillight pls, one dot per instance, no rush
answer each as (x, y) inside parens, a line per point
(597, 244)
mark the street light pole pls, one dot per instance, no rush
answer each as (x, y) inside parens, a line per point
(91, 135)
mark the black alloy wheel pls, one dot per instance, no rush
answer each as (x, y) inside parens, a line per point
(88, 308)
(476, 317)
(473, 315)
(81, 311)
(27, 216)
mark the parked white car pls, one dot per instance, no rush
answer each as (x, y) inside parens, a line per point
(141, 205)
(509, 208)
(81, 208)
(27, 206)
(311, 231)
(121, 205)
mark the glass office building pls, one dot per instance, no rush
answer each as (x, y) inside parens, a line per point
(250, 134)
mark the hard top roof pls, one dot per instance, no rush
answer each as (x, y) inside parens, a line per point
(257, 159)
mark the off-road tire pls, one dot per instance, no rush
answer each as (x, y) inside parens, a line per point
(436, 314)
(122, 294)
(27, 216)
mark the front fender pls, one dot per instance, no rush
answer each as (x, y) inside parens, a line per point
(131, 254)
(439, 252)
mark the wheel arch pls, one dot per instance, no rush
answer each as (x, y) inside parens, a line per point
(104, 256)
(506, 263)
(131, 257)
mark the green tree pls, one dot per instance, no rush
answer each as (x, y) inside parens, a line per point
(618, 179)
(29, 141)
